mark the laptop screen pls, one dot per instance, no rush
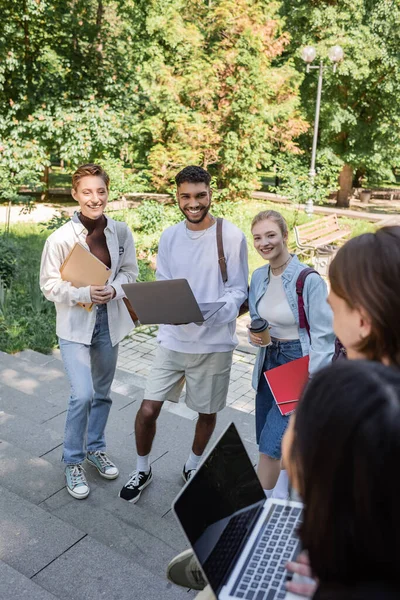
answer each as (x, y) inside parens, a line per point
(219, 506)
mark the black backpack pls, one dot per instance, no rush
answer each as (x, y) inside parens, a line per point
(340, 351)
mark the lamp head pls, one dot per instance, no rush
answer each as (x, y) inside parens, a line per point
(336, 54)
(308, 54)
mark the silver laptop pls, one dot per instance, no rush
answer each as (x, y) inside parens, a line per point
(169, 301)
(241, 540)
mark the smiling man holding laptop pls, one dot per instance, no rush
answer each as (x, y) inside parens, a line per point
(198, 354)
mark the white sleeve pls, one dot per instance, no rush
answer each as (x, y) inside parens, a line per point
(128, 270)
(53, 287)
(162, 270)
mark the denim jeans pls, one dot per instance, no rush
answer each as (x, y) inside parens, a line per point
(90, 370)
(270, 424)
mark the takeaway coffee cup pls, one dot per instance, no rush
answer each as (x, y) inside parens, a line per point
(260, 328)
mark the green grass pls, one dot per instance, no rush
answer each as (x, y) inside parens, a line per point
(59, 178)
(27, 320)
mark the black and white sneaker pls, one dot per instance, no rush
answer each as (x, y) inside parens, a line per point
(187, 475)
(136, 483)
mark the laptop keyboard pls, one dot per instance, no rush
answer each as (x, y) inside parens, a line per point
(263, 576)
(224, 553)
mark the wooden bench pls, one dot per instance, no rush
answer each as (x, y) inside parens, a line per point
(319, 233)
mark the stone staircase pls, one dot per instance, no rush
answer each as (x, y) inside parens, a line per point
(53, 546)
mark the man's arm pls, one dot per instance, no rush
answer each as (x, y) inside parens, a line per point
(163, 270)
(235, 292)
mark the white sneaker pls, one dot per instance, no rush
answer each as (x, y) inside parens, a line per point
(77, 485)
(103, 464)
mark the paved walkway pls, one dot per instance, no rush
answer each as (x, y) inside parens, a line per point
(136, 355)
(53, 547)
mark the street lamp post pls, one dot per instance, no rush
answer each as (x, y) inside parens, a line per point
(308, 54)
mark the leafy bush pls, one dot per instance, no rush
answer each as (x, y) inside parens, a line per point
(122, 180)
(151, 215)
(57, 220)
(8, 261)
(27, 319)
(295, 183)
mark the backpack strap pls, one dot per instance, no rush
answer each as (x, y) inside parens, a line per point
(220, 247)
(303, 323)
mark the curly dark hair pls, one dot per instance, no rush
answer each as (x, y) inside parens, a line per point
(193, 174)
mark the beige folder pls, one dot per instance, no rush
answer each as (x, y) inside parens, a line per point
(82, 268)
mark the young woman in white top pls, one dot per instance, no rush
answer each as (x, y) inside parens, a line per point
(273, 297)
(89, 339)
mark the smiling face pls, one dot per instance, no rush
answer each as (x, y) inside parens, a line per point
(91, 194)
(194, 200)
(268, 240)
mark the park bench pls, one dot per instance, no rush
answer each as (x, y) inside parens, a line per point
(319, 239)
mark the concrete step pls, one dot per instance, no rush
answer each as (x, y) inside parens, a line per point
(28, 371)
(33, 398)
(67, 562)
(31, 538)
(90, 571)
(15, 586)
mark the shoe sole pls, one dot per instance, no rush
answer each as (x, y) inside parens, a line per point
(134, 500)
(100, 472)
(184, 478)
(178, 559)
(77, 496)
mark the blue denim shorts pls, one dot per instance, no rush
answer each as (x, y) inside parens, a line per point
(270, 424)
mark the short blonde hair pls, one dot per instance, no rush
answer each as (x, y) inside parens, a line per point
(89, 169)
(271, 215)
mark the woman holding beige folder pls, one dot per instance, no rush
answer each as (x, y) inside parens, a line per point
(89, 338)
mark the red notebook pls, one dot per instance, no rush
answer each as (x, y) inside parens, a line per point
(287, 382)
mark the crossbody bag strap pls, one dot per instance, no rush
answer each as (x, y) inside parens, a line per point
(303, 323)
(221, 255)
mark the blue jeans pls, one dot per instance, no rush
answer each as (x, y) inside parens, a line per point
(270, 424)
(90, 370)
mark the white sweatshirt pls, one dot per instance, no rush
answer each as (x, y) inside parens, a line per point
(194, 256)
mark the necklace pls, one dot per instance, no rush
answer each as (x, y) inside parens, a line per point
(280, 267)
(191, 237)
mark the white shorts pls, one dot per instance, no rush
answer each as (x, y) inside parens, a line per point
(206, 377)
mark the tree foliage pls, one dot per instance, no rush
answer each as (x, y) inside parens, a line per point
(147, 84)
(360, 110)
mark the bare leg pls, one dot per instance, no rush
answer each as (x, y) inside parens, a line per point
(204, 429)
(268, 471)
(145, 425)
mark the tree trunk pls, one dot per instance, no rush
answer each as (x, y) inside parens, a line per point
(345, 186)
(99, 24)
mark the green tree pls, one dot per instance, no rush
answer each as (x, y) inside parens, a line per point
(360, 111)
(209, 90)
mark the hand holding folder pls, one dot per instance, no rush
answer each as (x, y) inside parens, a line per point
(287, 382)
(82, 269)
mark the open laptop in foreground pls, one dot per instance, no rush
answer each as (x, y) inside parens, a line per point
(241, 540)
(169, 301)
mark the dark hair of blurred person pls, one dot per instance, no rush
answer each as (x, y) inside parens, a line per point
(342, 452)
(365, 295)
